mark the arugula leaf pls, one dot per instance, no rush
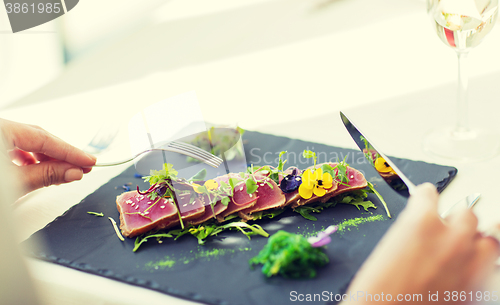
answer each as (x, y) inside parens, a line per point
(203, 231)
(255, 229)
(275, 177)
(373, 190)
(142, 239)
(326, 168)
(225, 200)
(233, 182)
(268, 214)
(365, 204)
(305, 210)
(356, 198)
(251, 185)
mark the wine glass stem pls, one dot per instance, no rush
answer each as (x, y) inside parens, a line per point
(462, 93)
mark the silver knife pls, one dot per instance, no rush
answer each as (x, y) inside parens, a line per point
(390, 172)
(382, 164)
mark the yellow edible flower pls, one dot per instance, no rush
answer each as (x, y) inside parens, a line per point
(315, 183)
(381, 166)
(209, 185)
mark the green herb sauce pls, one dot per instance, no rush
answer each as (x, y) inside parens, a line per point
(346, 225)
(170, 261)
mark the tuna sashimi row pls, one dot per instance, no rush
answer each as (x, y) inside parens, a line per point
(193, 203)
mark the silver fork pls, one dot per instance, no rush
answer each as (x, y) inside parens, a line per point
(178, 147)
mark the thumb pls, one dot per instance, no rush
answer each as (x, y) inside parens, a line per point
(424, 197)
(422, 202)
(35, 176)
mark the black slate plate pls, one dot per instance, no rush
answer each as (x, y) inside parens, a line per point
(218, 272)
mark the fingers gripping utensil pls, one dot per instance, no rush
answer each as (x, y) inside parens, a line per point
(390, 172)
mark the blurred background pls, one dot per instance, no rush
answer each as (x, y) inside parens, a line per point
(124, 40)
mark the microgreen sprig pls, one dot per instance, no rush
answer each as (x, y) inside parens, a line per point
(308, 154)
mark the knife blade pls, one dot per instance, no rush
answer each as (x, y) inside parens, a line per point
(390, 172)
(382, 164)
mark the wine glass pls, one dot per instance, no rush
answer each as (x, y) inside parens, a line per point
(461, 25)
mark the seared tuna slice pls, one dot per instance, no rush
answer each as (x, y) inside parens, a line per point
(239, 201)
(269, 196)
(139, 214)
(189, 209)
(357, 181)
(208, 214)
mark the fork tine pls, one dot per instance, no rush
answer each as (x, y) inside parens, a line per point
(210, 161)
(196, 150)
(198, 153)
(190, 147)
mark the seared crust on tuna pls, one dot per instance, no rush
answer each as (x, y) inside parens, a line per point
(139, 214)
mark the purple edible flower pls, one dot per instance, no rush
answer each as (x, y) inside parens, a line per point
(323, 237)
(290, 183)
(161, 190)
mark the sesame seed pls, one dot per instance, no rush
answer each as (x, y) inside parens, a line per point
(352, 176)
(297, 178)
(133, 204)
(146, 213)
(136, 207)
(149, 202)
(241, 188)
(185, 204)
(160, 241)
(162, 207)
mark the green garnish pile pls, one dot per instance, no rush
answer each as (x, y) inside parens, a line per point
(290, 255)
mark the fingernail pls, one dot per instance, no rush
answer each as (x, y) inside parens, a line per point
(91, 157)
(73, 174)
